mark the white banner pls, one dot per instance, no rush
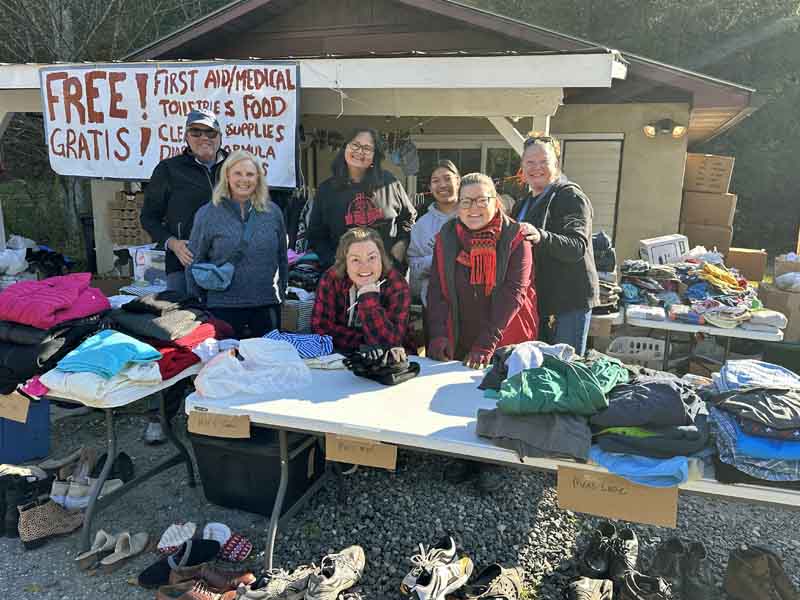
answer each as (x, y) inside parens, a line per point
(117, 121)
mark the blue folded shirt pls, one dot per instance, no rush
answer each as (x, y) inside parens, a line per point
(765, 448)
(308, 345)
(652, 472)
(106, 353)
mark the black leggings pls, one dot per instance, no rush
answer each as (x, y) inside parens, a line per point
(253, 321)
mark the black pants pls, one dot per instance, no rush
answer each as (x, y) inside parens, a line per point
(250, 322)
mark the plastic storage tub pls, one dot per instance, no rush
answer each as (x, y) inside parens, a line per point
(20, 442)
(642, 351)
(244, 474)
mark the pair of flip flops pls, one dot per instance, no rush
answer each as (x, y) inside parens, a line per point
(109, 552)
(234, 547)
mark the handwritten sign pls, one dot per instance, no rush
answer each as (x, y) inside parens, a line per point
(214, 425)
(607, 495)
(14, 406)
(360, 452)
(118, 121)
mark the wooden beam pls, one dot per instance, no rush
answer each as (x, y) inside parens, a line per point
(510, 134)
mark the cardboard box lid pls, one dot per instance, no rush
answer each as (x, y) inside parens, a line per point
(751, 263)
(708, 173)
(708, 209)
(710, 236)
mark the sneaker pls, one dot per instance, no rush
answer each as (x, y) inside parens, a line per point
(624, 554)
(666, 562)
(590, 589)
(435, 582)
(59, 491)
(154, 435)
(337, 573)
(441, 553)
(696, 581)
(596, 558)
(278, 585)
(757, 574)
(495, 582)
(636, 586)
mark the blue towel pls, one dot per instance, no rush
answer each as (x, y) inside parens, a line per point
(106, 353)
(308, 345)
(652, 472)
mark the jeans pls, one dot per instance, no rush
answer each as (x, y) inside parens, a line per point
(176, 282)
(569, 328)
(250, 322)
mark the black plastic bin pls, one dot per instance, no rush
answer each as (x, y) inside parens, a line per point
(245, 474)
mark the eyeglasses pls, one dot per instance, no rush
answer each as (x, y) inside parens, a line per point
(546, 139)
(209, 133)
(480, 202)
(365, 148)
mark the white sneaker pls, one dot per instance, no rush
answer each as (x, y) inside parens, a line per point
(436, 583)
(337, 573)
(280, 585)
(441, 553)
(154, 434)
(59, 491)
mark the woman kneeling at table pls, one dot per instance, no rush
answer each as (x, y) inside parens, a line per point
(362, 299)
(481, 293)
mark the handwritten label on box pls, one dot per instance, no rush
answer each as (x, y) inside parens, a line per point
(607, 495)
(360, 452)
(224, 426)
(14, 406)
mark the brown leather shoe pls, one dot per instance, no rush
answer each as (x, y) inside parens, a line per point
(216, 579)
(192, 590)
(757, 574)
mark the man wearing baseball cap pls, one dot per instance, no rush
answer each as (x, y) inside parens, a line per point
(178, 187)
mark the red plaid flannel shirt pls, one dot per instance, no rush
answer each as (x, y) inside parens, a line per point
(384, 317)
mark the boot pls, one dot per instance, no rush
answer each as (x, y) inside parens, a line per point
(624, 554)
(590, 589)
(696, 580)
(596, 558)
(757, 574)
(779, 578)
(666, 562)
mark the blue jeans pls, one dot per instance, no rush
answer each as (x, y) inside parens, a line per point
(176, 282)
(569, 328)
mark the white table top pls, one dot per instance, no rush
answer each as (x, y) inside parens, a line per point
(736, 332)
(436, 411)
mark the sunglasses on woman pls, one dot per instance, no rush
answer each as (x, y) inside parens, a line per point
(545, 139)
(209, 133)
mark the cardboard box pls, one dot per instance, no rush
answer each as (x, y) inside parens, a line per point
(710, 236)
(783, 266)
(708, 209)
(787, 303)
(126, 201)
(707, 173)
(663, 249)
(752, 264)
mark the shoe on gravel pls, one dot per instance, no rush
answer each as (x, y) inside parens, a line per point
(590, 589)
(495, 582)
(636, 586)
(436, 581)
(596, 559)
(154, 434)
(696, 581)
(441, 553)
(337, 573)
(667, 561)
(624, 554)
(278, 584)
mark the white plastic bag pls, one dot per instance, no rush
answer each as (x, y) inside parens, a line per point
(13, 261)
(788, 282)
(17, 242)
(268, 370)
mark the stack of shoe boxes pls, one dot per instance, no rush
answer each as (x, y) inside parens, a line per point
(126, 230)
(708, 208)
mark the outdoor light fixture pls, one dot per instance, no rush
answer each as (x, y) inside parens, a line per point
(664, 127)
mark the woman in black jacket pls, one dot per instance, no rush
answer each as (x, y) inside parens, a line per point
(557, 218)
(361, 194)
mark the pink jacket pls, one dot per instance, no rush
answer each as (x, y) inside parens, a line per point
(46, 303)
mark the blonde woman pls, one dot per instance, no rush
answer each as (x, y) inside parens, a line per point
(242, 223)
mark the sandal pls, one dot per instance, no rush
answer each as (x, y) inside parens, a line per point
(192, 553)
(127, 546)
(103, 545)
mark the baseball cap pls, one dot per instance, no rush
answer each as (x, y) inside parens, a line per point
(202, 117)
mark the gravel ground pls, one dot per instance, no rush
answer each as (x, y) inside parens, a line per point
(386, 513)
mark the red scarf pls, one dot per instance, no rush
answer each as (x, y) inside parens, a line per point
(482, 257)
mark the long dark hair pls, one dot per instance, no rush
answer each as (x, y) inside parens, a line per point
(373, 178)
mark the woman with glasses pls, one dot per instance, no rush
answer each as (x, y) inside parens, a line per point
(361, 194)
(557, 219)
(480, 295)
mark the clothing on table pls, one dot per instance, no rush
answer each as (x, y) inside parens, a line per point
(499, 370)
(644, 470)
(648, 313)
(209, 348)
(566, 276)
(777, 408)
(254, 321)
(570, 328)
(92, 386)
(378, 319)
(340, 206)
(167, 327)
(420, 250)
(765, 449)
(161, 303)
(15, 333)
(474, 314)
(331, 362)
(725, 473)
(309, 345)
(178, 355)
(724, 427)
(178, 187)
(746, 373)
(768, 318)
(765, 431)
(106, 353)
(750, 326)
(50, 302)
(120, 300)
(559, 386)
(659, 442)
(656, 404)
(536, 435)
(261, 272)
(605, 257)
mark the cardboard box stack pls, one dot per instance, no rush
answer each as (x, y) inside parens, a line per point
(125, 227)
(708, 209)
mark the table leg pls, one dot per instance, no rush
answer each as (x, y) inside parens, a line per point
(111, 454)
(167, 427)
(667, 340)
(276, 508)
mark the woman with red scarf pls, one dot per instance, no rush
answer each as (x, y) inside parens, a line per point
(481, 293)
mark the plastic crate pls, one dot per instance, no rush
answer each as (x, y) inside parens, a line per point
(643, 351)
(20, 442)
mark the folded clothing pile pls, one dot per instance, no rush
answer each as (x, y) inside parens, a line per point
(179, 354)
(166, 316)
(388, 366)
(41, 321)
